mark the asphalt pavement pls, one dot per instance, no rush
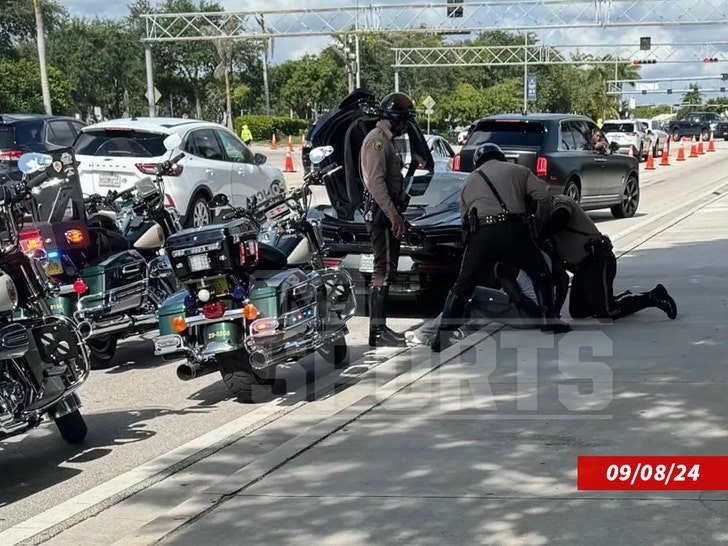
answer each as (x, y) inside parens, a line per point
(413, 467)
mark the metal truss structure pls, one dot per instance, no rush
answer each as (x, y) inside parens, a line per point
(540, 54)
(534, 15)
(679, 92)
(617, 87)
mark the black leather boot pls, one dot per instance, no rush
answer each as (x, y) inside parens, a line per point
(452, 316)
(545, 293)
(662, 300)
(379, 334)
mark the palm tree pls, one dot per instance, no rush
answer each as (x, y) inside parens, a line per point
(40, 38)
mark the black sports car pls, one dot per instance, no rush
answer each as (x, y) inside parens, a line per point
(431, 251)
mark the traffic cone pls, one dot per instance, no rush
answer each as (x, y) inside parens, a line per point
(694, 151)
(288, 167)
(711, 144)
(701, 150)
(273, 143)
(665, 159)
(681, 151)
(650, 162)
(290, 143)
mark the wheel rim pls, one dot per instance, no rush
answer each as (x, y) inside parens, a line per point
(573, 192)
(200, 214)
(676, 136)
(631, 197)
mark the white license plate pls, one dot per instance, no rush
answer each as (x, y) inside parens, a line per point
(110, 180)
(366, 265)
(199, 263)
(276, 212)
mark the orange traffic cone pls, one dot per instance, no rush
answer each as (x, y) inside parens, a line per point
(273, 143)
(288, 167)
(290, 143)
(694, 151)
(665, 159)
(701, 150)
(650, 162)
(711, 144)
(681, 151)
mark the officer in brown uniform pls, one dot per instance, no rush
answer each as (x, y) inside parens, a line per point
(588, 254)
(493, 206)
(385, 200)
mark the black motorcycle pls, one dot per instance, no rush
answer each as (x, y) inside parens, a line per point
(43, 360)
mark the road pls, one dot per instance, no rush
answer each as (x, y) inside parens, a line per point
(139, 410)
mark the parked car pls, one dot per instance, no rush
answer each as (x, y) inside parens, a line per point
(22, 133)
(630, 134)
(695, 124)
(721, 130)
(557, 148)
(115, 154)
(441, 152)
(432, 249)
(657, 135)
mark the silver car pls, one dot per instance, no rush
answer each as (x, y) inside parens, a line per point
(441, 151)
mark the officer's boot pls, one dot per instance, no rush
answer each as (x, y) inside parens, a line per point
(545, 294)
(379, 334)
(452, 316)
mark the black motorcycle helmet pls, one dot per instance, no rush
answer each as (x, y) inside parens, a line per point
(399, 109)
(486, 152)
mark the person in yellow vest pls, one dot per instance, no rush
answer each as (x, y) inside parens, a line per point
(600, 121)
(246, 135)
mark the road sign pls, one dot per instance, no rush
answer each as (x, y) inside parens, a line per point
(157, 95)
(531, 84)
(429, 102)
(642, 86)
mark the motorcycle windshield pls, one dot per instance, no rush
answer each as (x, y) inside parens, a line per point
(60, 199)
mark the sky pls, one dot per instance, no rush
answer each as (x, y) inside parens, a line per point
(296, 47)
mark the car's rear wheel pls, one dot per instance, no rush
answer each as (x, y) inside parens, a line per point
(572, 190)
(676, 136)
(630, 199)
(199, 212)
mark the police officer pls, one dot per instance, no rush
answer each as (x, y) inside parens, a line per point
(493, 205)
(588, 254)
(385, 201)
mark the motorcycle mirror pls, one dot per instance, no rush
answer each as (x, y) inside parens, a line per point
(317, 155)
(219, 201)
(172, 141)
(33, 162)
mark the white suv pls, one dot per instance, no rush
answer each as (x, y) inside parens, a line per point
(630, 134)
(115, 154)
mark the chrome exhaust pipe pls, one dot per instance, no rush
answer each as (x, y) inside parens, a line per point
(145, 320)
(85, 329)
(258, 360)
(347, 237)
(119, 326)
(191, 370)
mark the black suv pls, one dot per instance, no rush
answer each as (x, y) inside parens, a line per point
(21, 133)
(696, 124)
(557, 148)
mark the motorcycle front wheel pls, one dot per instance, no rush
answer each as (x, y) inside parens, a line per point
(102, 351)
(239, 376)
(72, 427)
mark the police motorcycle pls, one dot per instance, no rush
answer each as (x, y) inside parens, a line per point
(247, 308)
(43, 360)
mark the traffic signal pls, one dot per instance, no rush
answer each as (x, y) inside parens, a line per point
(669, 91)
(455, 9)
(646, 61)
(710, 60)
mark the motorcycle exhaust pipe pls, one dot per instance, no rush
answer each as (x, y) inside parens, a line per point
(85, 329)
(88, 331)
(191, 370)
(258, 360)
(415, 238)
(347, 237)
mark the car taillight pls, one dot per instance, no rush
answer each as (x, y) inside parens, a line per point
(214, 310)
(147, 168)
(456, 162)
(332, 262)
(542, 166)
(30, 241)
(10, 155)
(170, 201)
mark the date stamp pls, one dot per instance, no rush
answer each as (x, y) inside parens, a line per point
(651, 473)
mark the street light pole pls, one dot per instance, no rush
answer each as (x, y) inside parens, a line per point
(525, 72)
(358, 64)
(150, 80)
(40, 37)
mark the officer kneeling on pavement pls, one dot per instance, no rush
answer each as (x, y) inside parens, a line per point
(588, 254)
(384, 202)
(493, 205)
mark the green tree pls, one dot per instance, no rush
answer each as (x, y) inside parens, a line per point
(21, 92)
(17, 22)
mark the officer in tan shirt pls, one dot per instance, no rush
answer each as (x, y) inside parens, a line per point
(493, 205)
(385, 201)
(588, 254)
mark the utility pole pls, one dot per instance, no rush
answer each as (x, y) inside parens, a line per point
(40, 38)
(266, 88)
(525, 72)
(151, 103)
(358, 65)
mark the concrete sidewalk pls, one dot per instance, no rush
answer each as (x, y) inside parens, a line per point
(483, 449)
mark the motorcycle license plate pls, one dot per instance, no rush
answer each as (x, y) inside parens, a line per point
(200, 262)
(219, 286)
(53, 267)
(366, 265)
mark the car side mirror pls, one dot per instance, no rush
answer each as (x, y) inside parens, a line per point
(259, 159)
(218, 201)
(614, 146)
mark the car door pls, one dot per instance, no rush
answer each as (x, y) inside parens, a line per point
(578, 159)
(247, 178)
(206, 166)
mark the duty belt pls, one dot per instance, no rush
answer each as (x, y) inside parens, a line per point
(496, 219)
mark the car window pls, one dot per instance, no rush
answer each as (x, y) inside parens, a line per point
(120, 143)
(508, 133)
(28, 133)
(204, 144)
(448, 149)
(7, 137)
(60, 133)
(568, 130)
(618, 127)
(236, 151)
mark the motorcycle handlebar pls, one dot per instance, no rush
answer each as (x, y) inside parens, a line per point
(36, 180)
(164, 167)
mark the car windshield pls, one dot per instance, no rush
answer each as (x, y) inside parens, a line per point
(508, 133)
(426, 190)
(120, 143)
(7, 137)
(618, 128)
